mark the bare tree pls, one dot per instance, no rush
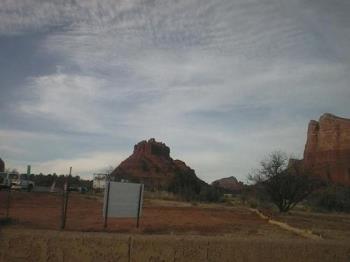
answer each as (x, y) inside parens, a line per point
(12, 171)
(108, 171)
(285, 185)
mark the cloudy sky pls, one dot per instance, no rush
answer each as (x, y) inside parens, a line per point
(223, 82)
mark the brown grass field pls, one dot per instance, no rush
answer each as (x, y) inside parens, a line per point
(43, 211)
(169, 231)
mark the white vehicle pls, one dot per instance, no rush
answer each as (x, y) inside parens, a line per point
(99, 182)
(22, 182)
(5, 180)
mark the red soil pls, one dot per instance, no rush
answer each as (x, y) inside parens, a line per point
(43, 211)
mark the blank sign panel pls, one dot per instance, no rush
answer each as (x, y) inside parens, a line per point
(123, 199)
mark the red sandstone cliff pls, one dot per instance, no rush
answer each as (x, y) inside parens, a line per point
(152, 165)
(327, 149)
(229, 183)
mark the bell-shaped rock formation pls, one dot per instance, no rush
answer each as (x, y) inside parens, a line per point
(152, 165)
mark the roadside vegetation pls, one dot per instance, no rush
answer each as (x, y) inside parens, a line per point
(331, 198)
(189, 188)
(48, 180)
(285, 185)
(281, 185)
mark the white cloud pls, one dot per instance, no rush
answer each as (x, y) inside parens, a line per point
(68, 99)
(15, 144)
(140, 69)
(83, 165)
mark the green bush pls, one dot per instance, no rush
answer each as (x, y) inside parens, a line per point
(253, 203)
(331, 198)
(190, 188)
(6, 221)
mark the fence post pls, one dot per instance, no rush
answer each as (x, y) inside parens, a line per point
(107, 203)
(8, 203)
(65, 195)
(129, 251)
(63, 210)
(139, 207)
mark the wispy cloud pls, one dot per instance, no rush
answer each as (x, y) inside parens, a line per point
(221, 82)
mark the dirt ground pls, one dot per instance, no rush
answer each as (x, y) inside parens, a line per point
(169, 231)
(334, 226)
(51, 245)
(43, 211)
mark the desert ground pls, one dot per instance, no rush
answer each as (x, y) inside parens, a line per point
(36, 210)
(169, 231)
(43, 211)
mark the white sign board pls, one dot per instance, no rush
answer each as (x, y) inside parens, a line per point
(124, 200)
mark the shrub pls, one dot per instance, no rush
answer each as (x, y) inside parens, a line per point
(285, 185)
(331, 198)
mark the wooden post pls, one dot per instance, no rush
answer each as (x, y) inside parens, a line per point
(65, 195)
(62, 210)
(139, 207)
(8, 203)
(107, 203)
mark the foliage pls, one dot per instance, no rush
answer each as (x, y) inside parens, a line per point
(48, 180)
(331, 198)
(6, 221)
(185, 184)
(189, 187)
(285, 185)
(210, 194)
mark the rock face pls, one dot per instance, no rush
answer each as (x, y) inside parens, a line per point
(151, 165)
(327, 149)
(230, 184)
(2, 166)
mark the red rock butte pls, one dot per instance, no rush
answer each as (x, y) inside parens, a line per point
(327, 149)
(151, 165)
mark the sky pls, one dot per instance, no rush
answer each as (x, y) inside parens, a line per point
(223, 83)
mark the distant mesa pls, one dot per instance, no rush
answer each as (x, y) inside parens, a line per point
(151, 164)
(2, 165)
(230, 184)
(327, 149)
